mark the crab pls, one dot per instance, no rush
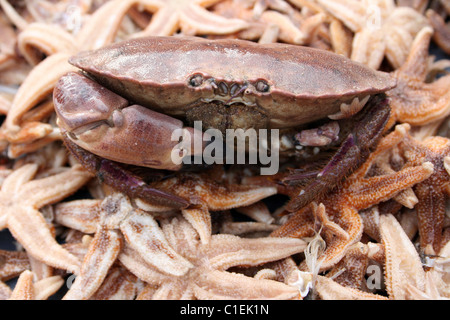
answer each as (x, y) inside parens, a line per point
(121, 109)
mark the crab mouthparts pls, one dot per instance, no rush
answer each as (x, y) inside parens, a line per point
(223, 115)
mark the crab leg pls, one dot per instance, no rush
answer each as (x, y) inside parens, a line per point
(104, 123)
(354, 151)
(123, 180)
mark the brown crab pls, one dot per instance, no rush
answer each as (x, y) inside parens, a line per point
(129, 98)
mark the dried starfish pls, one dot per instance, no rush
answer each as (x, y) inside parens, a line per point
(338, 217)
(281, 23)
(103, 251)
(403, 266)
(20, 200)
(441, 30)
(12, 263)
(329, 289)
(414, 100)
(209, 191)
(188, 15)
(152, 252)
(120, 284)
(27, 289)
(433, 192)
(381, 29)
(206, 278)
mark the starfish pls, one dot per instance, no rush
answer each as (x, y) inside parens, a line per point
(433, 192)
(329, 289)
(281, 23)
(12, 263)
(403, 266)
(21, 198)
(148, 249)
(337, 217)
(381, 29)
(120, 284)
(441, 30)
(414, 100)
(207, 278)
(209, 191)
(188, 15)
(27, 289)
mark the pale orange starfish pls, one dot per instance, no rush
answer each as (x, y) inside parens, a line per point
(21, 198)
(188, 15)
(441, 30)
(209, 191)
(338, 219)
(381, 28)
(414, 100)
(28, 289)
(12, 263)
(166, 257)
(207, 278)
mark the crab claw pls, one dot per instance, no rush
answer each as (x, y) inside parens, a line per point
(104, 123)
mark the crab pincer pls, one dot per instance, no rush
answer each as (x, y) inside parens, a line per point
(103, 123)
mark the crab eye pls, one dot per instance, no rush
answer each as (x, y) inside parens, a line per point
(196, 80)
(262, 86)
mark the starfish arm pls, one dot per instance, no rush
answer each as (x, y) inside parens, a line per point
(442, 31)
(12, 264)
(368, 48)
(381, 188)
(41, 192)
(225, 285)
(331, 290)
(109, 16)
(229, 199)
(421, 104)
(131, 259)
(337, 247)
(152, 245)
(416, 65)
(403, 24)
(431, 212)
(46, 38)
(28, 226)
(18, 178)
(102, 252)
(201, 221)
(195, 19)
(397, 44)
(38, 84)
(353, 18)
(47, 287)
(299, 225)
(120, 284)
(288, 31)
(5, 291)
(173, 290)
(387, 143)
(413, 100)
(403, 265)
(225, 251)
(81, 215)
(351, 270)
(24, 289)
(164, 23)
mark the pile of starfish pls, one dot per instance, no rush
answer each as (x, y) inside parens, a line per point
(383, 233)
